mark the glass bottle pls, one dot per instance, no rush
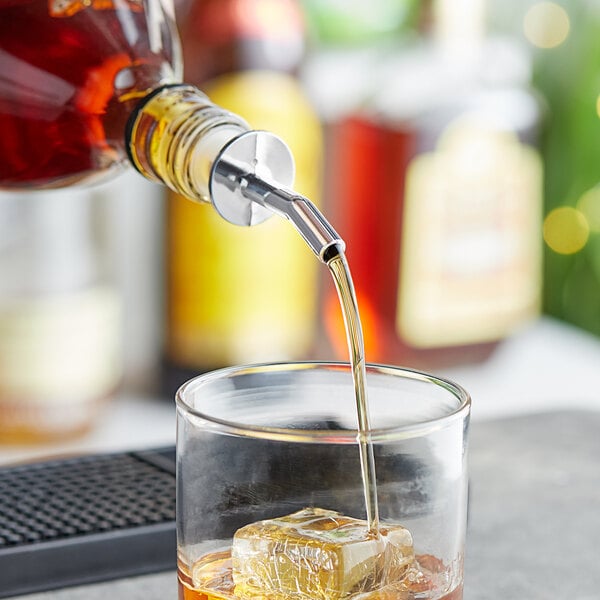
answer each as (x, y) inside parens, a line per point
(449, 261)
(233, 308)
(60, 326)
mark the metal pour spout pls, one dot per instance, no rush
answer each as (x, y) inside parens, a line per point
(250, 182)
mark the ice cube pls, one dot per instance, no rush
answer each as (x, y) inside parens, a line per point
(317, 554)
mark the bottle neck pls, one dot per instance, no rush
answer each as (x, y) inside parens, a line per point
(175, 135)
(459, 31)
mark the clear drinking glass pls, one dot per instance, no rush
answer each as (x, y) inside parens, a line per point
(262, 442)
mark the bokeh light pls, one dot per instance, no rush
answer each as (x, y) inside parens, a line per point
(566, 230)
(546, 24)
(589, 206)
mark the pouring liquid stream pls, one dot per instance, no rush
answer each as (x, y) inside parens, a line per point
(342, 278)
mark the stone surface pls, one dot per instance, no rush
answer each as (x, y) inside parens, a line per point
(535, 495)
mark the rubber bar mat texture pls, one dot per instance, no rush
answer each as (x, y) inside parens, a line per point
(85, 519)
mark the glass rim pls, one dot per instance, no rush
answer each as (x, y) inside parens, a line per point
(461, 411)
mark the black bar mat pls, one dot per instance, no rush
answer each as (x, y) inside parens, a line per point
(86, 519)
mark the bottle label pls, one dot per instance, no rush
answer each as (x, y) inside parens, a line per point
(471, 256)
(61, 349)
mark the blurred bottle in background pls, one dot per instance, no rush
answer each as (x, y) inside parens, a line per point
(352, 24)
(134, 210)
(59, 316)
(237, 295)
(566, 43)
(435, 185)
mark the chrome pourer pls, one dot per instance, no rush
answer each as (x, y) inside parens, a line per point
(251, 180)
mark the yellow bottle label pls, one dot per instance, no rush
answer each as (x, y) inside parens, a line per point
(471, 256)
(246, 294)
(60, 349)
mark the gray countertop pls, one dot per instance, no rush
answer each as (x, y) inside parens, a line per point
(534, 519)
(534, 511)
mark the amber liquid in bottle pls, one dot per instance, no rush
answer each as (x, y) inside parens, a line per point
(71, 75)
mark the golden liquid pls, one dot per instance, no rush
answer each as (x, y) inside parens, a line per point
(420, 584)
(345, 289)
